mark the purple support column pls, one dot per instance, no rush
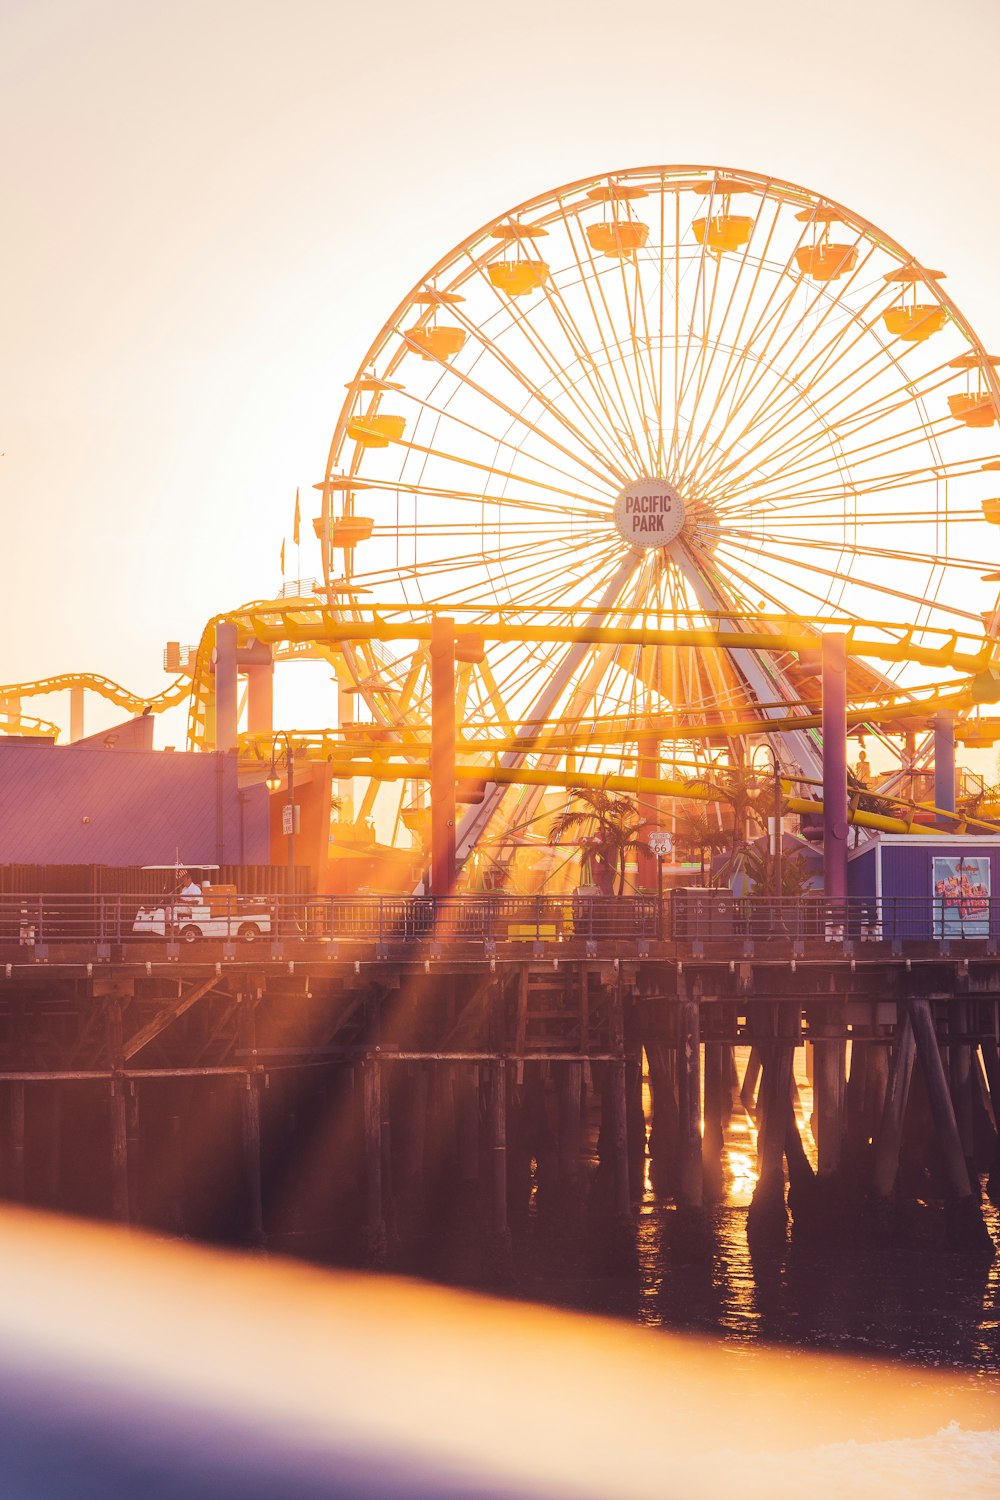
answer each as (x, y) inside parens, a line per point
(442, 755)
(944, 765)
(835, 826)
(226, 686)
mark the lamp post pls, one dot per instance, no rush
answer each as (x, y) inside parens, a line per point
(776, 771)
(273, 782)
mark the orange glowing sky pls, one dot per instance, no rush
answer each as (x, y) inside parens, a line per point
(210, 208)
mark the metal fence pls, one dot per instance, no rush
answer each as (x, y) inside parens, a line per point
(685, 917)
(49, 919)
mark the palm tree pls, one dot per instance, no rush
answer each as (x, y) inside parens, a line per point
(699, 833)
(605, 824)
(741, 788)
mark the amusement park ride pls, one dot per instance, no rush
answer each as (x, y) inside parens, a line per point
(606, 481)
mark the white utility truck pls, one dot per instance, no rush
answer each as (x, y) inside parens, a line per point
(214, 912)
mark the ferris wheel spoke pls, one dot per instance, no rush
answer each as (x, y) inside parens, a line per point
(615, 405)
(501, 442)
(869, 585)
(762, 361)
(480, 498)
(792, 330)
(823, 359)
(693, 446)
(682, 376)
(857, 549)
(770, 322)
(885, 447)
(621, 406)
(847, 424)
(638, 423)
(601, 419)
(596, 448)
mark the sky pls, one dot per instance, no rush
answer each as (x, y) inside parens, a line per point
(210, 209)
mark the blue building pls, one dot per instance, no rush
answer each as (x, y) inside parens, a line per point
(921, 887)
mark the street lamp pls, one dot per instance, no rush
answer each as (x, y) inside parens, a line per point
(776, 771)
(273, 782)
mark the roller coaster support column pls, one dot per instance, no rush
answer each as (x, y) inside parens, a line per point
(442, 755)
(257, 661)
(835, 825)
(76, 713)
(944, 764)
(226, 694)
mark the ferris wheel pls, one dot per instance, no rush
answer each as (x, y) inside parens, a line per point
(667, 396)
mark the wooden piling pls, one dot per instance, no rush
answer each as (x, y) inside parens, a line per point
(570, 1084)
(118, 1114)
(250, 1122)
(17, 1172)
(375, 1239)
(499, 1256)
(664, 1134)
(767, 1217)
(889, 1137)
(690, 1188)
(966, 1229)
(716, 1097)
(829, 1055)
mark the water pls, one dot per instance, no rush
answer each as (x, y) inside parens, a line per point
(922, 1304)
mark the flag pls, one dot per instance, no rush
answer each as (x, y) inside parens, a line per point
(282, 557)
(298, 518)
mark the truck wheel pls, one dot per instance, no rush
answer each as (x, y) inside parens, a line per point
(249, 932)
(190, 934)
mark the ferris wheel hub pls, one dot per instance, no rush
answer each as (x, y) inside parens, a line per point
(649, 513)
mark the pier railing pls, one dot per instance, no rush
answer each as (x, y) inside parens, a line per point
(684, 918)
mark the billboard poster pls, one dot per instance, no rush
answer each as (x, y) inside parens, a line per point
(962, 896)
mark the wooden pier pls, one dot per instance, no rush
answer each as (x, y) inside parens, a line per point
(263, 1090)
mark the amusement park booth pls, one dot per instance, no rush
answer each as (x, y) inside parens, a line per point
(925, 887)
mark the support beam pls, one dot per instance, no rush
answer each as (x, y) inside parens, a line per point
(166, 1017)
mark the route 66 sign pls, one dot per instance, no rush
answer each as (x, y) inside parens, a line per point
(659, 841)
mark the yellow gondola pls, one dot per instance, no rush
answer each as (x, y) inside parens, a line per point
(436, 343)
(348, 531)
(826, 262)
(518, 277)
(377, 430)
(723, 231)
(618, 240)
(973, 409)
(916, 323)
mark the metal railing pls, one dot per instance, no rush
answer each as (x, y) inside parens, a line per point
(717, 915)
(684, 918)
(115, 919)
